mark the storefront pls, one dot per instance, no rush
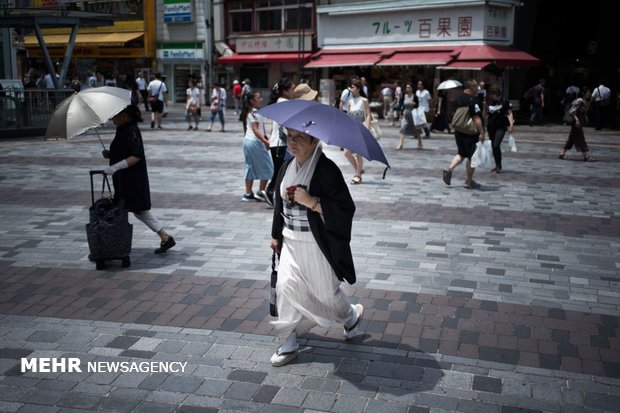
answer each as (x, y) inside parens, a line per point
(265, 40)
(266, 59)
(179, 62)
(183, 45)
(116, 49)
(417, 41)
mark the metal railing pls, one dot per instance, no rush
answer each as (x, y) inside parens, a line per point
(26, 112)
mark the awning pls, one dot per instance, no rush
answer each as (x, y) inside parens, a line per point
(500, 55)
(342, 58)
(384, 56)
(240, 58)
(420, 57)
(90, 39)
(223, 49)
(469, 65)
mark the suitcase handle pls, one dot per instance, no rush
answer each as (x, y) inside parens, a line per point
(103, 185)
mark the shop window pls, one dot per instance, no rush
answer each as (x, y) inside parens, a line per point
(122, 9)
(241, 22)
(269, 20)
(304, 14)
(269, 15)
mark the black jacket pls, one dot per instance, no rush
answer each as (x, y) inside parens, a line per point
(333, 232)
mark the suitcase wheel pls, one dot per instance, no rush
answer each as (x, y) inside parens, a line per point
(126, 262)
(100, 264)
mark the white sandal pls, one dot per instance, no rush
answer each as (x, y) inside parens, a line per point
(350, 332)
(282, 358)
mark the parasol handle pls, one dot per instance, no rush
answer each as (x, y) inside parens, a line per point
(99, 139)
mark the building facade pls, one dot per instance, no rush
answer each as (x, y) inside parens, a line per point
(184, 44)
(264, 40)
(427, 40)
(123, 48)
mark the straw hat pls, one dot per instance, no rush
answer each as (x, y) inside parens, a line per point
(305, 92)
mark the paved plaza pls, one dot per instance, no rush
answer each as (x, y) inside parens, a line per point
(499, 300)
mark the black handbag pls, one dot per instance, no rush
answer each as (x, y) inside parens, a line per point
(273, 309)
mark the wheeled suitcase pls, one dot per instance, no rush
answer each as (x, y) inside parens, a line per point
(109, 232)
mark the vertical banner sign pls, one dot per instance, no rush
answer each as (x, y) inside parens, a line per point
(178, 11)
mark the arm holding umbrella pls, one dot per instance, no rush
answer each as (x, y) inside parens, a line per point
(125, 163)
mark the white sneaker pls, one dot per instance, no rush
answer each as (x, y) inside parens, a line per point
(281, 358)
(351, 331)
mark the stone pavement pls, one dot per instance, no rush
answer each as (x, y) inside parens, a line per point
(500, 300)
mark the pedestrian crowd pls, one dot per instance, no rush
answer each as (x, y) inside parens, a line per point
(312, 205)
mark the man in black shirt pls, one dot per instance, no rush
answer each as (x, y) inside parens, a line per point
(466, 144)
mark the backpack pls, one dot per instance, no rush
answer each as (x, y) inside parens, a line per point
(462, 121)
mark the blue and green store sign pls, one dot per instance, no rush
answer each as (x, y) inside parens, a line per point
(178, 11)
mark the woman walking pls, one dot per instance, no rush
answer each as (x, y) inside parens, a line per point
(358, 108)
(441, 123)
(217, 107)
(192, 105)
(499, 120)
(258, 164)
(281, 91)
(576, 136)
(408, 127)
(129, 173)
(311, 232)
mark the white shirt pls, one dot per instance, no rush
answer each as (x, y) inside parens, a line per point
(155, 86)
(254, 117)
(274, 137)
(601, 93)
(387, 91)
(47, 79)
(193, 96)
(141, 83)
(424, 97)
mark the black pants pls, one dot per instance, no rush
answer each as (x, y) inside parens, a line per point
(277, 155)
(576, 138)
(497, 136)
(145, 99)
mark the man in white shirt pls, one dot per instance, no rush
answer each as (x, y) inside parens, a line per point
(157, 93)
(48, 81)
(141, 82)
(365, 87)
(387, 93)
(601, 96)
(424, 99)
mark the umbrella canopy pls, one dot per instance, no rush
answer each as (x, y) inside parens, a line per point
(86, 110)
(449, 84)
(328, 124)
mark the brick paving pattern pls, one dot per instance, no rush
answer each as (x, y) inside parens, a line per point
(500, 300)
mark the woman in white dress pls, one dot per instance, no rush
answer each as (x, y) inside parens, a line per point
(311, 230)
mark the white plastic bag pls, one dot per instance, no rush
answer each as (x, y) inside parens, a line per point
(419, 117)
(512, 143)
(482, 157)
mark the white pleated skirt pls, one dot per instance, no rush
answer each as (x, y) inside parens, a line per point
(308, 291)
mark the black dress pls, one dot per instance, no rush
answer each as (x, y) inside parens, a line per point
(440, 122)
(130, 184)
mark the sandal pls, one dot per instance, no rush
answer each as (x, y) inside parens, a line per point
(589, 159)
(356, 180)
(563, 156)
(282, 358)
(350, 332)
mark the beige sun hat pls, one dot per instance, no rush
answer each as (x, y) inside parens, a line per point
(304, 92)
